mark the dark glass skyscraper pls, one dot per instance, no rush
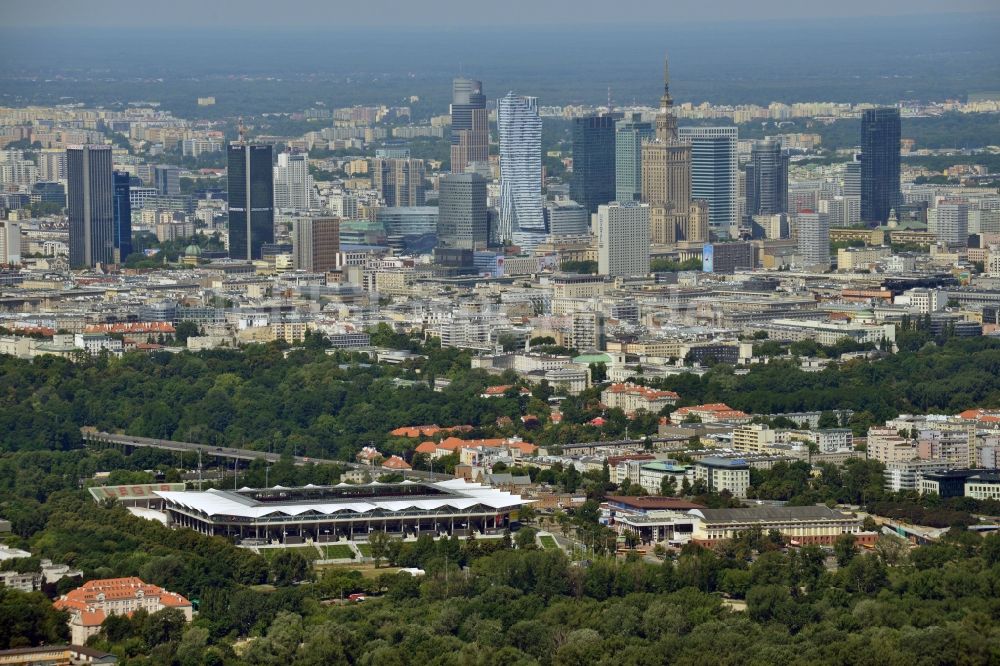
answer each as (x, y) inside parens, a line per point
(470, 128)
(629, 137)
(767, 179)
(593, 181)
(122, 216)
(880, 192)
(462, 213)
(90, 199)
(251, 199)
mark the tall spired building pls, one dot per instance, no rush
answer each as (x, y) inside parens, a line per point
(666, 173)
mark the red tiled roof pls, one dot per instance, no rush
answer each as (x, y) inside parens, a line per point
(395, 462)
(88, 598)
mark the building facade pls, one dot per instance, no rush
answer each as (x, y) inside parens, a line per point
(593, 180)
(122, 216)
(767, 179)
(315, 243)
(666, 172)
(462, 212)
(470, 129)
(251, 199)
(630, 134)
(623, 239)
(519, 128)
(90, 198)
(880, 164)
(715, 174)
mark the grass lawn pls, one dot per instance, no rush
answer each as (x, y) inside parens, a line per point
(365, 548)
(337, 551)
(548, 543)
(307, 552)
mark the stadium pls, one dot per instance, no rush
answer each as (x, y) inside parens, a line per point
(326, 514)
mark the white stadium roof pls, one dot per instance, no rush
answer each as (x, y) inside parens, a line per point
(455, 494)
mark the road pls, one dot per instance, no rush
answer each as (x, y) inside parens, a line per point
(98, 437)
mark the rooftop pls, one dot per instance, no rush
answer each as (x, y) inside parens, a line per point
(770, 514)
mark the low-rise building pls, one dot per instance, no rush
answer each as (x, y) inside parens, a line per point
(801, 524)
(632, 397)
(721, 474)
(90, 604)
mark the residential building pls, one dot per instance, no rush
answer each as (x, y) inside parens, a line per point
(630, 134)
(666, 172)
(399, 182)
(623, 239)
(880, 164)
(519, 128)
(470, 130)
(813, 229)
(593, 180)
(888, 446)
(167, 180)
(293, 185)
(90, 198)
(94, 601)
(753, 438)
(10, 242)
(715, 174)
(949, 222)
(717, 412)
(251, 199)
(315, 243)
(724, 474)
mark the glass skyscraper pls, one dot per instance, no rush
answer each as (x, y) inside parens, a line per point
(880, 191)
(767, 179)
(470, 124)
(251, 199)
(715, 174)
(629, 136)
(462, 215)
(520, 130)
(122, 216)
(90, 199)
(593, 181)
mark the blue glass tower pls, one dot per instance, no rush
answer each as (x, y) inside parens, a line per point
(122, 216)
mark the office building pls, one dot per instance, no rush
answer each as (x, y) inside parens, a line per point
(813, 229)
(949, 222)
(726, 257)
(520, 131)
(666, 172)
(412, 230)
(566, 218)
(630, 134)
(167, 180)
(470, 128)
(122, 216)
(251, 199)
(462, 213)
(293, 186)
(724, 474)
(90, 198)
(49, 192)
(399, 182)
(623, 239)
(880, 193)
(766, 179)
(315, 244)
(715, 175)
(593, 180)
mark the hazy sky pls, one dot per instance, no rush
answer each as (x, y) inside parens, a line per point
(332, 14)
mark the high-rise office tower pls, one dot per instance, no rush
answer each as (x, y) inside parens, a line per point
(623, 239)
(520, 130)
(90, 199)
(315, 243)
(462, 213)
(167, 180)
(251, 199)
(666, 172)
(715, 174)
(566, 218)
(813, 229)
(470, 124)
(630, 134)
(293, 186)
(593, 181)
(852, 178)
(767, 179)
(122, 216)
(400, 182)
(880, 191)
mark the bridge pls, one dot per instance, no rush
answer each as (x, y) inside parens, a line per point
(97, 437)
